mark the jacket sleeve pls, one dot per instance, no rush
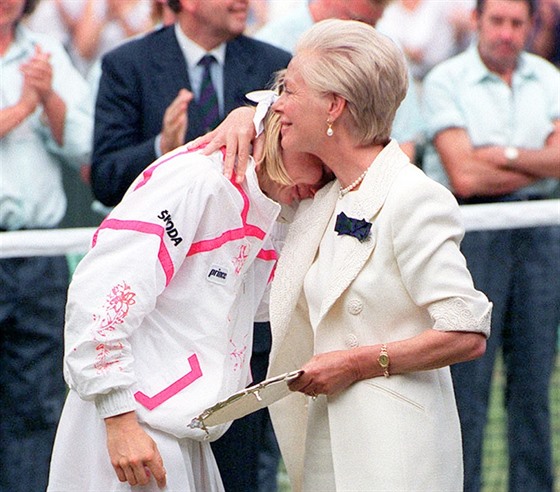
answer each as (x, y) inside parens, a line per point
(427, 231)
(120, 148)
(116, 286)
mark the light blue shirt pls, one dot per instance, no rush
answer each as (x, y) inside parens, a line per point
(463, 93)
(285, 31)
(31, 190)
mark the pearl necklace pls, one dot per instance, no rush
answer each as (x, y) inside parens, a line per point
(343, 191)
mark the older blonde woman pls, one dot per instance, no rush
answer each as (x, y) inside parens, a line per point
(160, 314)
(371, 297)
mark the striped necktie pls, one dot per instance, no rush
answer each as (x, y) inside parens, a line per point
(208, 100)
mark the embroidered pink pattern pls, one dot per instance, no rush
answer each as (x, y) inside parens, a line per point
(241, 257)
(116, 307)
(238, 355)
(103, 358)
(151, 402)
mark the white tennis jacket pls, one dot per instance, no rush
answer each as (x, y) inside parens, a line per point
(160, 311)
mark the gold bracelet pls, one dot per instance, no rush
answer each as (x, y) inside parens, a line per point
(383, 360)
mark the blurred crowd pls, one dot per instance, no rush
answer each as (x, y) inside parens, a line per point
(428, 33)
(50, 91)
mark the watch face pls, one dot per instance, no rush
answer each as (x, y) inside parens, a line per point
(383, 360)
(511, 153)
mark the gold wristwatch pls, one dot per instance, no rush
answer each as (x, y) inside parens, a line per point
(383, 360)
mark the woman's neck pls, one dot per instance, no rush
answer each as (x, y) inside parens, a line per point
(349, 165)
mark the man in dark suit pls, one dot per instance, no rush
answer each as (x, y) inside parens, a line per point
(147, 105)
(147, 99)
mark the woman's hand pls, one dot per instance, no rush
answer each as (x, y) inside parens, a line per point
(331, 372)
(327, 374)
(134, 455)
(236, 133)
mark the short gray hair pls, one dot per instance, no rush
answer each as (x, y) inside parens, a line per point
(353, 60)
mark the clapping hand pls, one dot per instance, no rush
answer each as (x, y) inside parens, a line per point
(38, 75)
(175, 121)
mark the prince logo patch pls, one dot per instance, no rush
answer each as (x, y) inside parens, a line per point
(217, 275)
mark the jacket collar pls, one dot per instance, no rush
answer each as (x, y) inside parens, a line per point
(308, 229)
(479, 72)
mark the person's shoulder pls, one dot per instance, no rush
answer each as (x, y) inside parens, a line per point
(413, 185)
(261, 50)
(59, 57)
(45, 41)
(455, 67)
(189, 169)
(140, 46)
(539, 65)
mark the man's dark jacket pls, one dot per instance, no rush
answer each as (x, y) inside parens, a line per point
(139, 81)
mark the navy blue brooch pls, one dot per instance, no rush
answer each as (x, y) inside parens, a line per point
(357, 228)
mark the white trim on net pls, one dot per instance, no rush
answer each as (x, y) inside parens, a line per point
(486, 216)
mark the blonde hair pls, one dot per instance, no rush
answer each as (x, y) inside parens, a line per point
(364, 67)
(271, 162)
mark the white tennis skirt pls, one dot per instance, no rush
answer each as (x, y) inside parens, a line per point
(80, 460)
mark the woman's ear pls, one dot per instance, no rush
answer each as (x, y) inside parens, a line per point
(336, 106)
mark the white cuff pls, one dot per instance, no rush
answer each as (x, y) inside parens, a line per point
(115, 402)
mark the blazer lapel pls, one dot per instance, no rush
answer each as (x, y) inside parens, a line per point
(169, 63)
(307, 230)
(351, 254)
(238, 69)
(298, 254)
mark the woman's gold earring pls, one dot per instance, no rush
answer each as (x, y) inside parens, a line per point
(330, 131)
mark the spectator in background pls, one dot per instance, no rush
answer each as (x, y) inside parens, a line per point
(286, 30)
(276, 9)
(90, 28)
(144, 108)
(545, 40)
(103, 25)
(57, 18)
(258, 15)
(261, 11)
(45, 123)
(428, 32)
(493, 120)
(162, 14)
(148, 103)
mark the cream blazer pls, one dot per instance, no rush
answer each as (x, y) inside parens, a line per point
(389, 434)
